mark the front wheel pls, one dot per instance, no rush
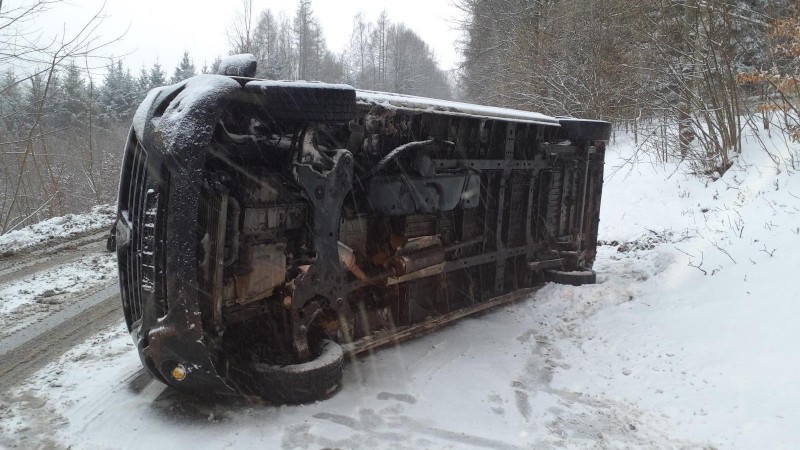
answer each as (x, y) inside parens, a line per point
(300, 383)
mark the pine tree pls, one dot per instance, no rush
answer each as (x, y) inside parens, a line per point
(11, 105)
(157, 76)
(118, 94)
(215, 65)
(143, 81)
(184, 70)
(34, 95)
(71, 101)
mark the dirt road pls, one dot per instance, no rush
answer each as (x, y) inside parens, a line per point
(36, 332)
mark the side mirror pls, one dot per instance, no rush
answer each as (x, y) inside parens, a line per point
(243, 65)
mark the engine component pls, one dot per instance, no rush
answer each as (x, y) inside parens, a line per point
(269, 223)
(260, 269)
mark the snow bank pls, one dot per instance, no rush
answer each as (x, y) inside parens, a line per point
(709, 336)
(57, 228)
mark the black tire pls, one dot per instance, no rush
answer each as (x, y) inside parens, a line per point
(585, 130)
(573, 278)
(305, 103)
(300, 383)
(111, 240)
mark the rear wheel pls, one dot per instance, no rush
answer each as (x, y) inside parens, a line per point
(300, 383)
(573, 278)
(585, 130)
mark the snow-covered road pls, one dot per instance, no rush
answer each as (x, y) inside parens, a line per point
(54, 292)
(688, 341)
(485, 383)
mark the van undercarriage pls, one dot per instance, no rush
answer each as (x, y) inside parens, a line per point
(267, 228)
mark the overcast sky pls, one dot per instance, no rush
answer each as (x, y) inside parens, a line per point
(163, 29)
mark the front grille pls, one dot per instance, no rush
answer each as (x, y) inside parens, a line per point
(143, 272)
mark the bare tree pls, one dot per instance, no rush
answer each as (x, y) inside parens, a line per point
(32, 183)
(668, 65)
(265, 47)
(286, 59)
(358, 51)
(389, 56)
(241, 33)
(304, 39)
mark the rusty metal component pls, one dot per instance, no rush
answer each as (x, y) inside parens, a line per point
(382, 252)
(396, 336)
(348, 259)
(329, 324)
(417, 259)
(421, 273)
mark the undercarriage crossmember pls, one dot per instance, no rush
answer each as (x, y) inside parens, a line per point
(324, 278)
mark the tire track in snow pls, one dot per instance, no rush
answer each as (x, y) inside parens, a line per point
(53, 296)
(30, 299)
(31, 349)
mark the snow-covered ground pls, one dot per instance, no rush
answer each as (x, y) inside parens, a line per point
(710, 336)
(688, 341)
(47, 266)
(28, 299)
(56, 229)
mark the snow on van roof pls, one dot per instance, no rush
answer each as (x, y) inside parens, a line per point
(410, 102)
(298, 84)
